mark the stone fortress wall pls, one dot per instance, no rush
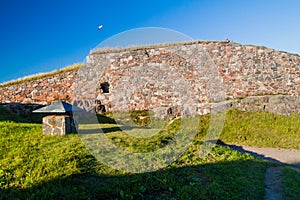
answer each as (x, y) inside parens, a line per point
(193, 73)
(41, 91)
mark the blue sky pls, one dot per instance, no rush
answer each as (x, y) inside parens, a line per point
(41, 36)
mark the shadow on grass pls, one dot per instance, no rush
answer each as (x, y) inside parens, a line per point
(254, 154)
(93, 118)
(224, 180)
(102, 119)
(21, 113)
(111, 129)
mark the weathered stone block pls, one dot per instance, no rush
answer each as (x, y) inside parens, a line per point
(59, 125)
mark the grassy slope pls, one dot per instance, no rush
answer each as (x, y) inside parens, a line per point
(35, 166)
(291, 184)
(262, 129)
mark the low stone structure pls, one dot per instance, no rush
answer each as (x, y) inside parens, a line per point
(59, 125)
(279, 104)
(60, 121)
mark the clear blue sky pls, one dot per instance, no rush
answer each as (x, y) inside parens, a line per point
(44, 35)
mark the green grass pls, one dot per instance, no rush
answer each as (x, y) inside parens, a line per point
(291, 184)
(36, 166)
(262, 129)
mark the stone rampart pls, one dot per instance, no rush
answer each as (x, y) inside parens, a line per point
(168, 75)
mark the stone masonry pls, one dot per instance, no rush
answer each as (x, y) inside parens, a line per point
(58, 125)
(41, 91)
(187, 72)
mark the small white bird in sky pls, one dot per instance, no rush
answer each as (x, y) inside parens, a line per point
(100, 27)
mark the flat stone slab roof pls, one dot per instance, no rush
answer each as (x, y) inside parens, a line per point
(58, 107)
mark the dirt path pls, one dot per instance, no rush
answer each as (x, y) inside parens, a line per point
(273, 183)
(273, 176)
(275, 155)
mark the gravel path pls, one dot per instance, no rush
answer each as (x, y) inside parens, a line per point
(273, 177)
(273, 183)
(275, 155)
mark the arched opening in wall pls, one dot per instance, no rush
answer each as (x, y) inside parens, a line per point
(104, 87)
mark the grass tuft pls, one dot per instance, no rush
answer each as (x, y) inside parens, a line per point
(41, 75)
(291, 184)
